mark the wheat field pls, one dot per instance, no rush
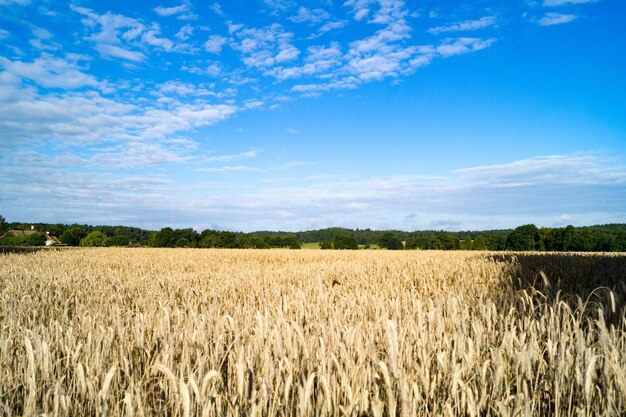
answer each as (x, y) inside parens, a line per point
(176, 332)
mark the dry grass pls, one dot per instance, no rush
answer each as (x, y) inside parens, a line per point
(311, 333)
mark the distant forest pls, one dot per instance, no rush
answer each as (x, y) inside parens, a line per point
(605, 238)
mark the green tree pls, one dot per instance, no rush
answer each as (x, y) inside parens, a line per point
(344, 241)
(449, 241)
(467, 243)
(3, 223)
(568, 237)
(480, 243)
(227, 240)
(326, 245)
(118, 240)
(523, 238)
(183, 242)
(390, 240)
(36, 239)
(73, 236)
(209, 239)
(95, 238)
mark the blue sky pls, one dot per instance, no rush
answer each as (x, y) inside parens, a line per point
(285, 115)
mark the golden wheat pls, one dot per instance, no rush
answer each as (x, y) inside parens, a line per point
(148, 332)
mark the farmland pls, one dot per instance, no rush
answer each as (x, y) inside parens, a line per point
(210, 332)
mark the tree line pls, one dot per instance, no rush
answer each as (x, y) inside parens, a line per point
(605, 238)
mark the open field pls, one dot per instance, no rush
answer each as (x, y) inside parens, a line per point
(180, 332)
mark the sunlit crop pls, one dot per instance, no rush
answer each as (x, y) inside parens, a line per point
(154, 332)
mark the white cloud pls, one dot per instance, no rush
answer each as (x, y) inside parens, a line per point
(4, 34)
(252, 153)
(253, 104)
(111, 51)
(181, 12)
(360, 8)
(43, 40)
(332, 25)
(551, 3)
(115, 35)
(151, 37)
(538, 190)
(466, 25)
(113, 27)
(360, 14)
(185, 32)
(387, 53)
(51, 72)
(215, 43)
(182, 89)
(135, 155)
(550, 19)
(27, 116)
(318, 61)
(232, 28)
(213, 69)
(471, 198)
(18, 2)
(312, 16)
(217, 9)
(265, 47)
(389, 12)
(279, 5)
(346, 83)
(460, 46)
(171, 11)
(235, 168)
(583, 169)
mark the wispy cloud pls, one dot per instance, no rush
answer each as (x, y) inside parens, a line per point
(18, 2)
(252, 153)
(537, 189)
(550, 19)
(229, 168)
(171, 11)
(215, 43)
(551, 3)
(466, 25)
(265, 47)
(111, 51)
(83, 125)
(27, 116)
(460, 46)
(311, 16)
(52, 72)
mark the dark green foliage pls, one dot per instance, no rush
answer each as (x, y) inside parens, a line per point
(326, 245)
(467, 243)
(73, 236)
(523, 238)
(215, 239)
(118, 240)
(170, 238)
(94, 239)
(610, 237)
(390, 240)
(35, 239)
(480, 243)
(344, 241)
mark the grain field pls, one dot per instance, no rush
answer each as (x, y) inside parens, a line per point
(179, 332)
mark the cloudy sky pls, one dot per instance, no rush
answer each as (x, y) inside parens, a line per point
(294, 115)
